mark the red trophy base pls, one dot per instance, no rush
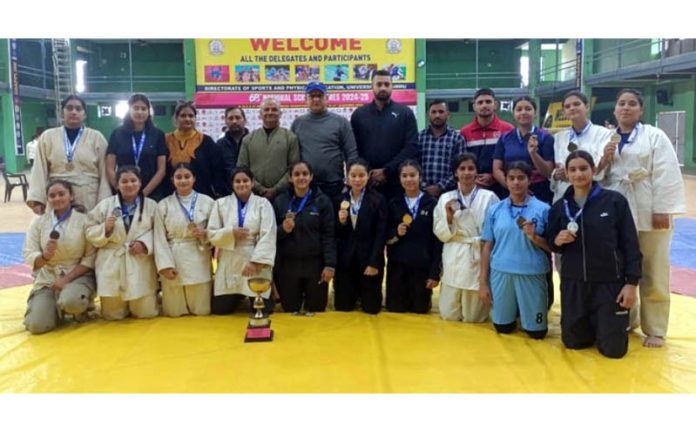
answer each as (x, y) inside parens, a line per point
(259, 334)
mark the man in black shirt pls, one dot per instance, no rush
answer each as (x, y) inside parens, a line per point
(230, 143)
(386, 135)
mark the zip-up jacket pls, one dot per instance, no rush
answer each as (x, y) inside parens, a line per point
(606, 245)
(313, 235)
(419, 248)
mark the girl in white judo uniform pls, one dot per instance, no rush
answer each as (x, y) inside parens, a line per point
(61, 260)
(583, 135)
(182, 252)
(458, 222)
(646, 171)
(243, 228)
(121, 227)
(74, 153)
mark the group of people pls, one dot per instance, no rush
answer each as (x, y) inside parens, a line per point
(478, 212)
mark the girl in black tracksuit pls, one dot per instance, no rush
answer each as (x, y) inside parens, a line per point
(594, 231)
(361, 232)
(414, 252)
(306, 254)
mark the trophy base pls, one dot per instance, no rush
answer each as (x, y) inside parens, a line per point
(258, 334)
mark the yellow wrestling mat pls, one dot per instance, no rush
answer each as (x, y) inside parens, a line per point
(330, 353)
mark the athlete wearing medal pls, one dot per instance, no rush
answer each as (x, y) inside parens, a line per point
(138, 142)
(513, 259)
(414, 254)
(306, 258)
(361, 232)
(583, 135)
(459, 229)
(63, 270)
(125, 265)
(182, 251)
(601, 261)
(242, 226)
(74, 153)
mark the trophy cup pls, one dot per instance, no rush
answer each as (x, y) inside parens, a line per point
(259, 328)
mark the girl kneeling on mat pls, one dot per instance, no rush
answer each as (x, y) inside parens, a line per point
(513, 259)
(593, 230)
(415, 254)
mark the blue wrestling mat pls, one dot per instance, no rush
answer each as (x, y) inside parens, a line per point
(684, 243)
(11, 249)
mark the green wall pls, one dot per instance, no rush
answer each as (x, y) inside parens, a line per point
(498, 63)
(609, 57)
(156, 66)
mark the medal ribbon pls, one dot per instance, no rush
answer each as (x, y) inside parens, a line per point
(595, 191)
(413, 210)
(188, 212)
(70, 147)
(302, 205)
(137, 150)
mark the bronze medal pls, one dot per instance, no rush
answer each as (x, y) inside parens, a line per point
(290, 215)
(54, 235)
(192, 226)
(69, 166)
(572, 147)
(520, 221)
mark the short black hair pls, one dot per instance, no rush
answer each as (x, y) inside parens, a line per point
(484, 91)
(438, 102)
(382, 72)
(235, 107)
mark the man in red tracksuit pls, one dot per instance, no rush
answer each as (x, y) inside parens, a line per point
(481, 136)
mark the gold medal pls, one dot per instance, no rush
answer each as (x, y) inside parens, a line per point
(290, 215)
(572, 147)
(615, 139)
(407, 219)
(345, 205)
(69, 166)
(54, 235)
(192, 226)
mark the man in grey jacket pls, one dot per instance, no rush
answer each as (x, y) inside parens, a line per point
(326, 142)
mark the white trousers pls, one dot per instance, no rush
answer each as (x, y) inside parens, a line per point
(654, 283)
(458, 304)
(178, 300)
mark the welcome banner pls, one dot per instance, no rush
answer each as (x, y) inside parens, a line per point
(245, 71)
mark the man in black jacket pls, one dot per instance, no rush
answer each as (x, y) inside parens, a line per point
(386, 134)
(230, 143)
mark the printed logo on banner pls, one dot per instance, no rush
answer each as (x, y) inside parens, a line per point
(217, 73)
(216, 47)
(393, 46)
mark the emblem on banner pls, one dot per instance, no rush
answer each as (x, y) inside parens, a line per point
(393, 46)
(216, 47)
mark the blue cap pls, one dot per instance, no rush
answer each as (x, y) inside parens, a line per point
(315, 85)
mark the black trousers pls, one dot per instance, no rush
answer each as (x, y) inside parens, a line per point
(406, 291)
(297, 280)
(229, 303)
(590, 315)
(350, 284)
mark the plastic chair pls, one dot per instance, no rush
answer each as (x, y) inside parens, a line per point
(12, 181)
